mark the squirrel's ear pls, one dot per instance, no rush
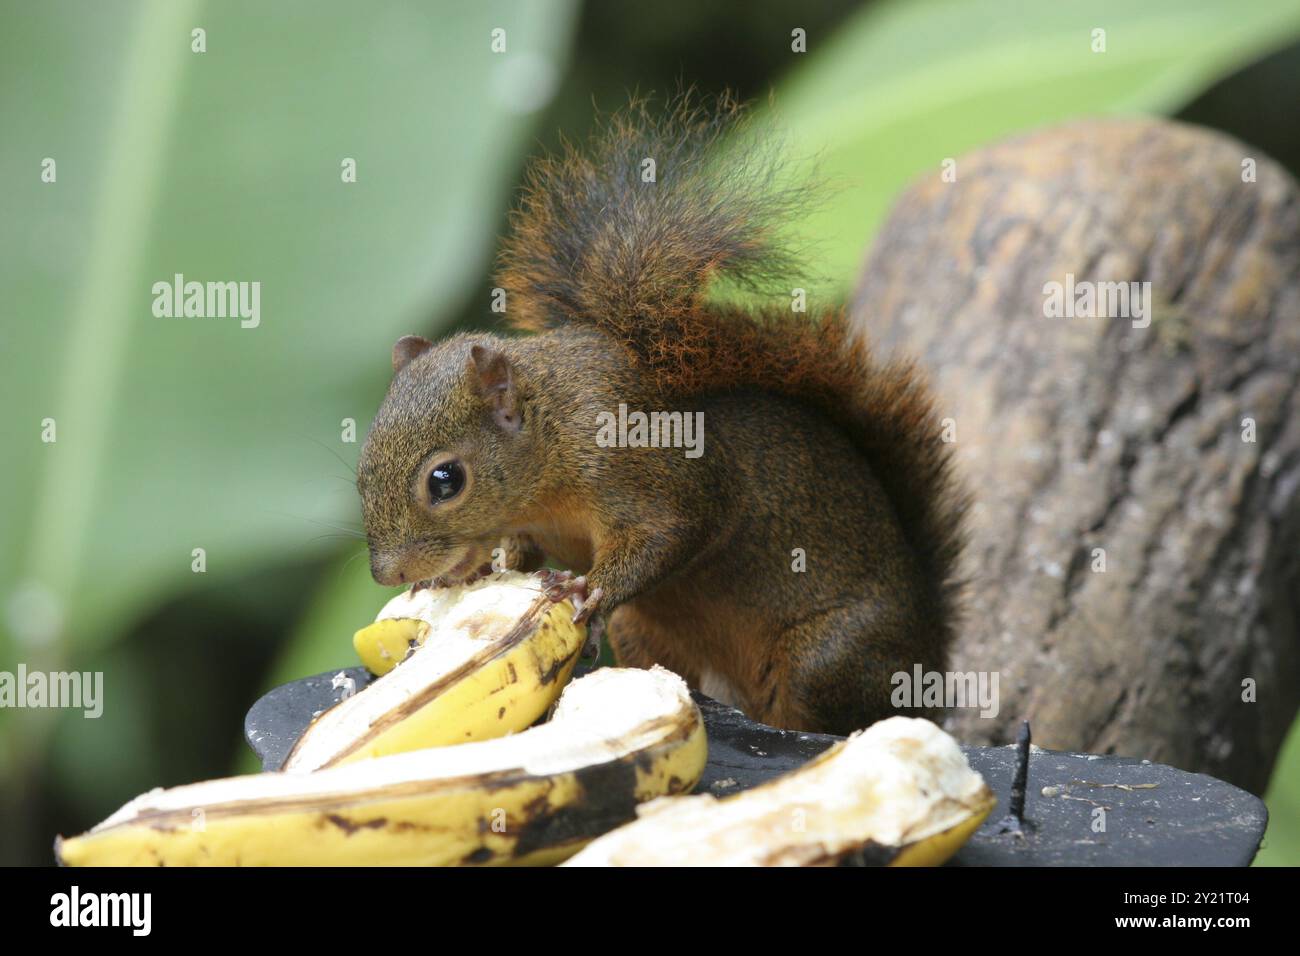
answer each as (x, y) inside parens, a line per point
(492, 371)
(407, 348)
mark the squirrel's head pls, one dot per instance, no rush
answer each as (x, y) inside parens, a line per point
(446, 465)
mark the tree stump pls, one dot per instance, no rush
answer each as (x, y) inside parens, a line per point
(1134, 558)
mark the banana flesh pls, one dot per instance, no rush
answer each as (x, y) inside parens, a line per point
(478, 661)
(899, 793)
(618, 737)
(386, 643)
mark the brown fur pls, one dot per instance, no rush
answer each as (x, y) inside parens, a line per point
(810, 442)
(593, 245)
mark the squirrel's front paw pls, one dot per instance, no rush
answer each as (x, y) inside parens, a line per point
(587, 605)
(562, 585)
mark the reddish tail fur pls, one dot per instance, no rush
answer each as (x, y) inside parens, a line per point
(594, 245)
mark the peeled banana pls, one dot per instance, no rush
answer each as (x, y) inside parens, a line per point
(618, 737)
(384, 644)
(899, 793)
(476, 661)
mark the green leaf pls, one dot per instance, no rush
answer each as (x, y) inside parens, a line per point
(909, 83)
(182, 433)
(175, 434)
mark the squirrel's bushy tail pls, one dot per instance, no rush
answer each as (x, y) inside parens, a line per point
(625, 237)
(626, 233)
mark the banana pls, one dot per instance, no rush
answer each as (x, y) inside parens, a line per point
(384, 644)
(481, 660)
(618, 737)
(899, 793)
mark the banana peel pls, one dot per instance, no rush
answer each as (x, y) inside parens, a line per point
(476, 661)
(618, 737)
(899, 793)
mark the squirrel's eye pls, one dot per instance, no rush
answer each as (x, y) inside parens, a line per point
(446, 480)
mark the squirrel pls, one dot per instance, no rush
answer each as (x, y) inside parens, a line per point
(813, 447)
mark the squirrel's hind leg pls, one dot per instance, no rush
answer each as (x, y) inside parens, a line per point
(636, 644)
(835, 668)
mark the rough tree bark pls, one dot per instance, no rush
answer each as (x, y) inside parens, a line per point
(1082, 433)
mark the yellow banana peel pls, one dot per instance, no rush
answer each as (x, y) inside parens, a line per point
(618, 737)
(477, 661)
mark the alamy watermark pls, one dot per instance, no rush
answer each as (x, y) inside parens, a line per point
(75, 908)
(208, 300)
(947, 689)
(56, 689)
(1084, 299)
(651, 430)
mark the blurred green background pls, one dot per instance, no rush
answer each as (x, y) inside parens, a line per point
(177, 434)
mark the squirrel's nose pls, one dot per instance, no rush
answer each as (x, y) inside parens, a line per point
(386, 568)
